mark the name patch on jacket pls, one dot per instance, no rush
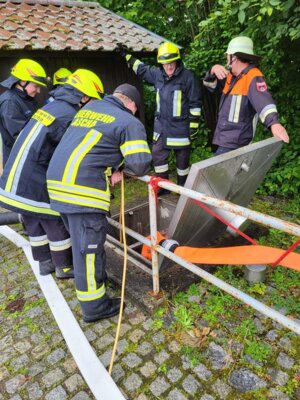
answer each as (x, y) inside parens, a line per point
(89, 119)
(43, 117)
(261, 86)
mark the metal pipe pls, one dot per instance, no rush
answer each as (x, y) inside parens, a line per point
(9, 218)
(257, 305)
(257, 216)
(153, 234)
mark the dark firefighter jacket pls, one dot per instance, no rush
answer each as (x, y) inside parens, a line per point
(23, 184)
(102, 135)
(16, 109)
(244, 98)
(178, 103)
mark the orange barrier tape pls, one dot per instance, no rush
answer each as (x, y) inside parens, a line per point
(238, 255)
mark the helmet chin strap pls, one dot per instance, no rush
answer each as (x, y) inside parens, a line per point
(230, 63)
(24, 86)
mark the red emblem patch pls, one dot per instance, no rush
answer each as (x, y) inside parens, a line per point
(261, 86)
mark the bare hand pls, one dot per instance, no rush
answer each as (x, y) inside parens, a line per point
(116, 178)
(279, 131)
(220, 71)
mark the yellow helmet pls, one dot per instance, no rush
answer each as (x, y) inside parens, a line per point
(167, 53)
(60, 76)
(86, 82)
(29, 71)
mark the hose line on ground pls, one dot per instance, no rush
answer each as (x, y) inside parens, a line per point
(122, 220)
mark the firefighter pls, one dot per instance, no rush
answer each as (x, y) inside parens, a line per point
(103, 136)
(60, 77)
(177, 114)
(245, 96)
(17, 103)
(23, 184)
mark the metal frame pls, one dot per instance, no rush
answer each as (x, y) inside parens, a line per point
(264, 219)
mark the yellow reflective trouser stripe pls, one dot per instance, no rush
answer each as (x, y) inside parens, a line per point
(195, 111)
(36, 241)
(60, 245)
(91, 295)
(28, 207)
(194, 124)
(78, 200)
(90, 272)
(89, 141)
(16, 162)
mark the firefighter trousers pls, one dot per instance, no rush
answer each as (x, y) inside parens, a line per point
(160, 156)
(88, 235)
(49, 239)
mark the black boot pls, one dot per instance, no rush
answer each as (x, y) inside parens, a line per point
(64, 272)
(107, 308)
(46, 267)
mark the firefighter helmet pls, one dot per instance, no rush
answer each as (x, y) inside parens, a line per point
(167, 53)
(60, 76)
(87, 83)
(29, 71)
(242, 45)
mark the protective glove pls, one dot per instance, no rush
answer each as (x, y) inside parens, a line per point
(122, 50)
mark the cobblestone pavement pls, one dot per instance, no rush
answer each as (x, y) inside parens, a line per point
(35, 362)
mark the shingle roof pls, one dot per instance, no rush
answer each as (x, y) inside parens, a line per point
(68, 25)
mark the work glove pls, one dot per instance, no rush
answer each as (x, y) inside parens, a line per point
(122, 50)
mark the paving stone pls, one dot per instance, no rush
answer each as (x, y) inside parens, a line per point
(221, 389)
(82, 396)
(124, 329)
(148, 324)
(22, 332)
(36, 337)
(285, 343)
(117, 372)
(174, 374)
(121, 346)
(22, 346)
(203, 372)
(6, 342)
(132, 360)
(56, 356)
(133, 382)
(158, 338)
(57, 394)
(70, 365)
(279, 377)
(190, 385)
(159, 386)
(259, 326)
(275, 394)
(144, 348)
(161, 357)
(19, 362)
(15, 384)
(141, 397)
(34, 312)
(6, 355)
(16, 397)
(53, 377)
(175, 394)
(174, 346)
(218, 356)
(90, 335)
(3, 373)
(285, 361)
(105, 358)
(136, 335)
(34, 391)
(40, 350)
(207, 397)
(148, 369)
(137, 319)
(105, 341)
(74, 382)
(36, 369)
(244, 380)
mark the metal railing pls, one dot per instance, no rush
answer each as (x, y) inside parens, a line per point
(225, 205)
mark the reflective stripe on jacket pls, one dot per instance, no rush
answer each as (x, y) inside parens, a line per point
(178, 102)
(243, 98)
(102, 135)
(23, 183)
